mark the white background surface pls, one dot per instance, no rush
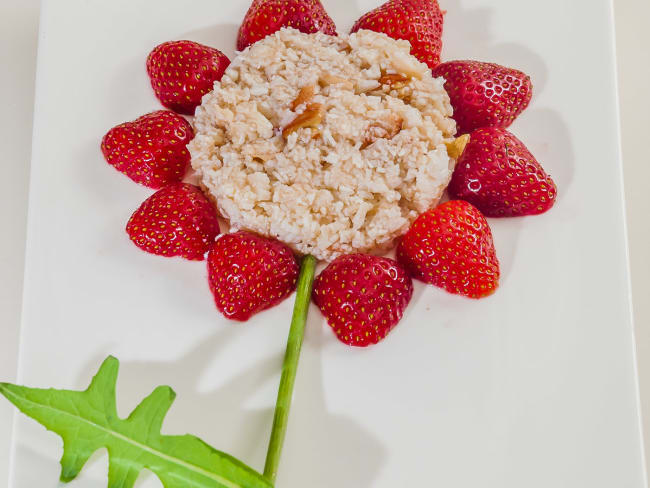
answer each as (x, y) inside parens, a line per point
(18, 27)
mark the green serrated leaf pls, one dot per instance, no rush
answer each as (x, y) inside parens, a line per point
(87, 421)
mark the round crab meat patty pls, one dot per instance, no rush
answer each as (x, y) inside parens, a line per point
(332, 145)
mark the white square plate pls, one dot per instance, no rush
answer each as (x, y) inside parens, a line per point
(533, 387)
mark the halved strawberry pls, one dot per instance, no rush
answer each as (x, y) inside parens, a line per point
(151, 149)
(418, 21)
(175, 221)
(497, 173)
(484, 94)
(248, 273)
(181, 72)
(363, 297)
(265, 17)
(451, 247)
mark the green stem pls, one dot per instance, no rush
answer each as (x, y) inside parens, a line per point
(290, 366)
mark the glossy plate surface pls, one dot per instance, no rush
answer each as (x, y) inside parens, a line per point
(534, 387)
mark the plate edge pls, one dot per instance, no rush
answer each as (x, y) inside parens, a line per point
(38, 82)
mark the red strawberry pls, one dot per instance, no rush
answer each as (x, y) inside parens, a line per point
(497, 174)
(151, 149)
(265, 17)
(417, 21)
(484, 94)
(363, 297)
(181, 72)
(451, 246)
(249, 273)
(175, 221)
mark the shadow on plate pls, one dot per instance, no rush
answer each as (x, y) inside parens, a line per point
(545, 132)
(322, 449)
(345, 13)
(220, 36)
(325, 449)
(468, 35)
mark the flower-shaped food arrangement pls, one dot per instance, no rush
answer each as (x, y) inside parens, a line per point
(313, 146)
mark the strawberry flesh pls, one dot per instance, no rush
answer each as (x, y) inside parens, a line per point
(418, 21)
(497, 174)
(363, 297)
(451, 247)
(264, 17)
(151, 149)
(177, 220)
(484, 94)
(248, 273)
(181, 72)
